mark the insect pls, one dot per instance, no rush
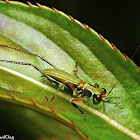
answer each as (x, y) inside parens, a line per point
(82, 90)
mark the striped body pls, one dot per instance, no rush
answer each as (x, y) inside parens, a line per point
(62, 76)
(79, 87)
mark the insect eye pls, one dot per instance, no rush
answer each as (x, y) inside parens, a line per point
(98, 97)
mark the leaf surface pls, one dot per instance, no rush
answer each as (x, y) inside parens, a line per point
(64, 41)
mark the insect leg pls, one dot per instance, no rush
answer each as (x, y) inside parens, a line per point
(73, 89)
(103, 108)
(51, 80)
(56, 92)
(78, 100)
(107, 99)
(75, 71)
(23, 63)
(42, 58)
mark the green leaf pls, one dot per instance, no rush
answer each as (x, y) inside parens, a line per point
(35, 126)
(64, 41)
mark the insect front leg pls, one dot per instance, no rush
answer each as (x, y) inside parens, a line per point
(107, 99)
(56, 92)
(78, 100)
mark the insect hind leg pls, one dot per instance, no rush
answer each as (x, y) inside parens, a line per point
(78, 100)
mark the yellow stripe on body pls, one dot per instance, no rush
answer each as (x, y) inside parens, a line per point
(62, 76)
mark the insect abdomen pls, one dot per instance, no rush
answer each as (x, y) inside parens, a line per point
(62, 76)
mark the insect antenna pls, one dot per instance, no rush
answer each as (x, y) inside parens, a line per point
(23, 63)
(123, 72)
(41, 57)
(112, 88)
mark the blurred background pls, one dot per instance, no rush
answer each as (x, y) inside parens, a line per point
(117, 21)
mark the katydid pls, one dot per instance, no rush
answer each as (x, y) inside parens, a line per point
(80, 88)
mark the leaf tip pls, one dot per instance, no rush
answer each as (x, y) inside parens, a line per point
(53, 110)
(74, 125)
(126, 57)
(29, 3)
(71, 18)
(38, 4)
(86, 26)
(33, 101)
(55, 10)
(7, 1)
(101, 37)
(13, 96)
(113, 46)
(138, 68)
